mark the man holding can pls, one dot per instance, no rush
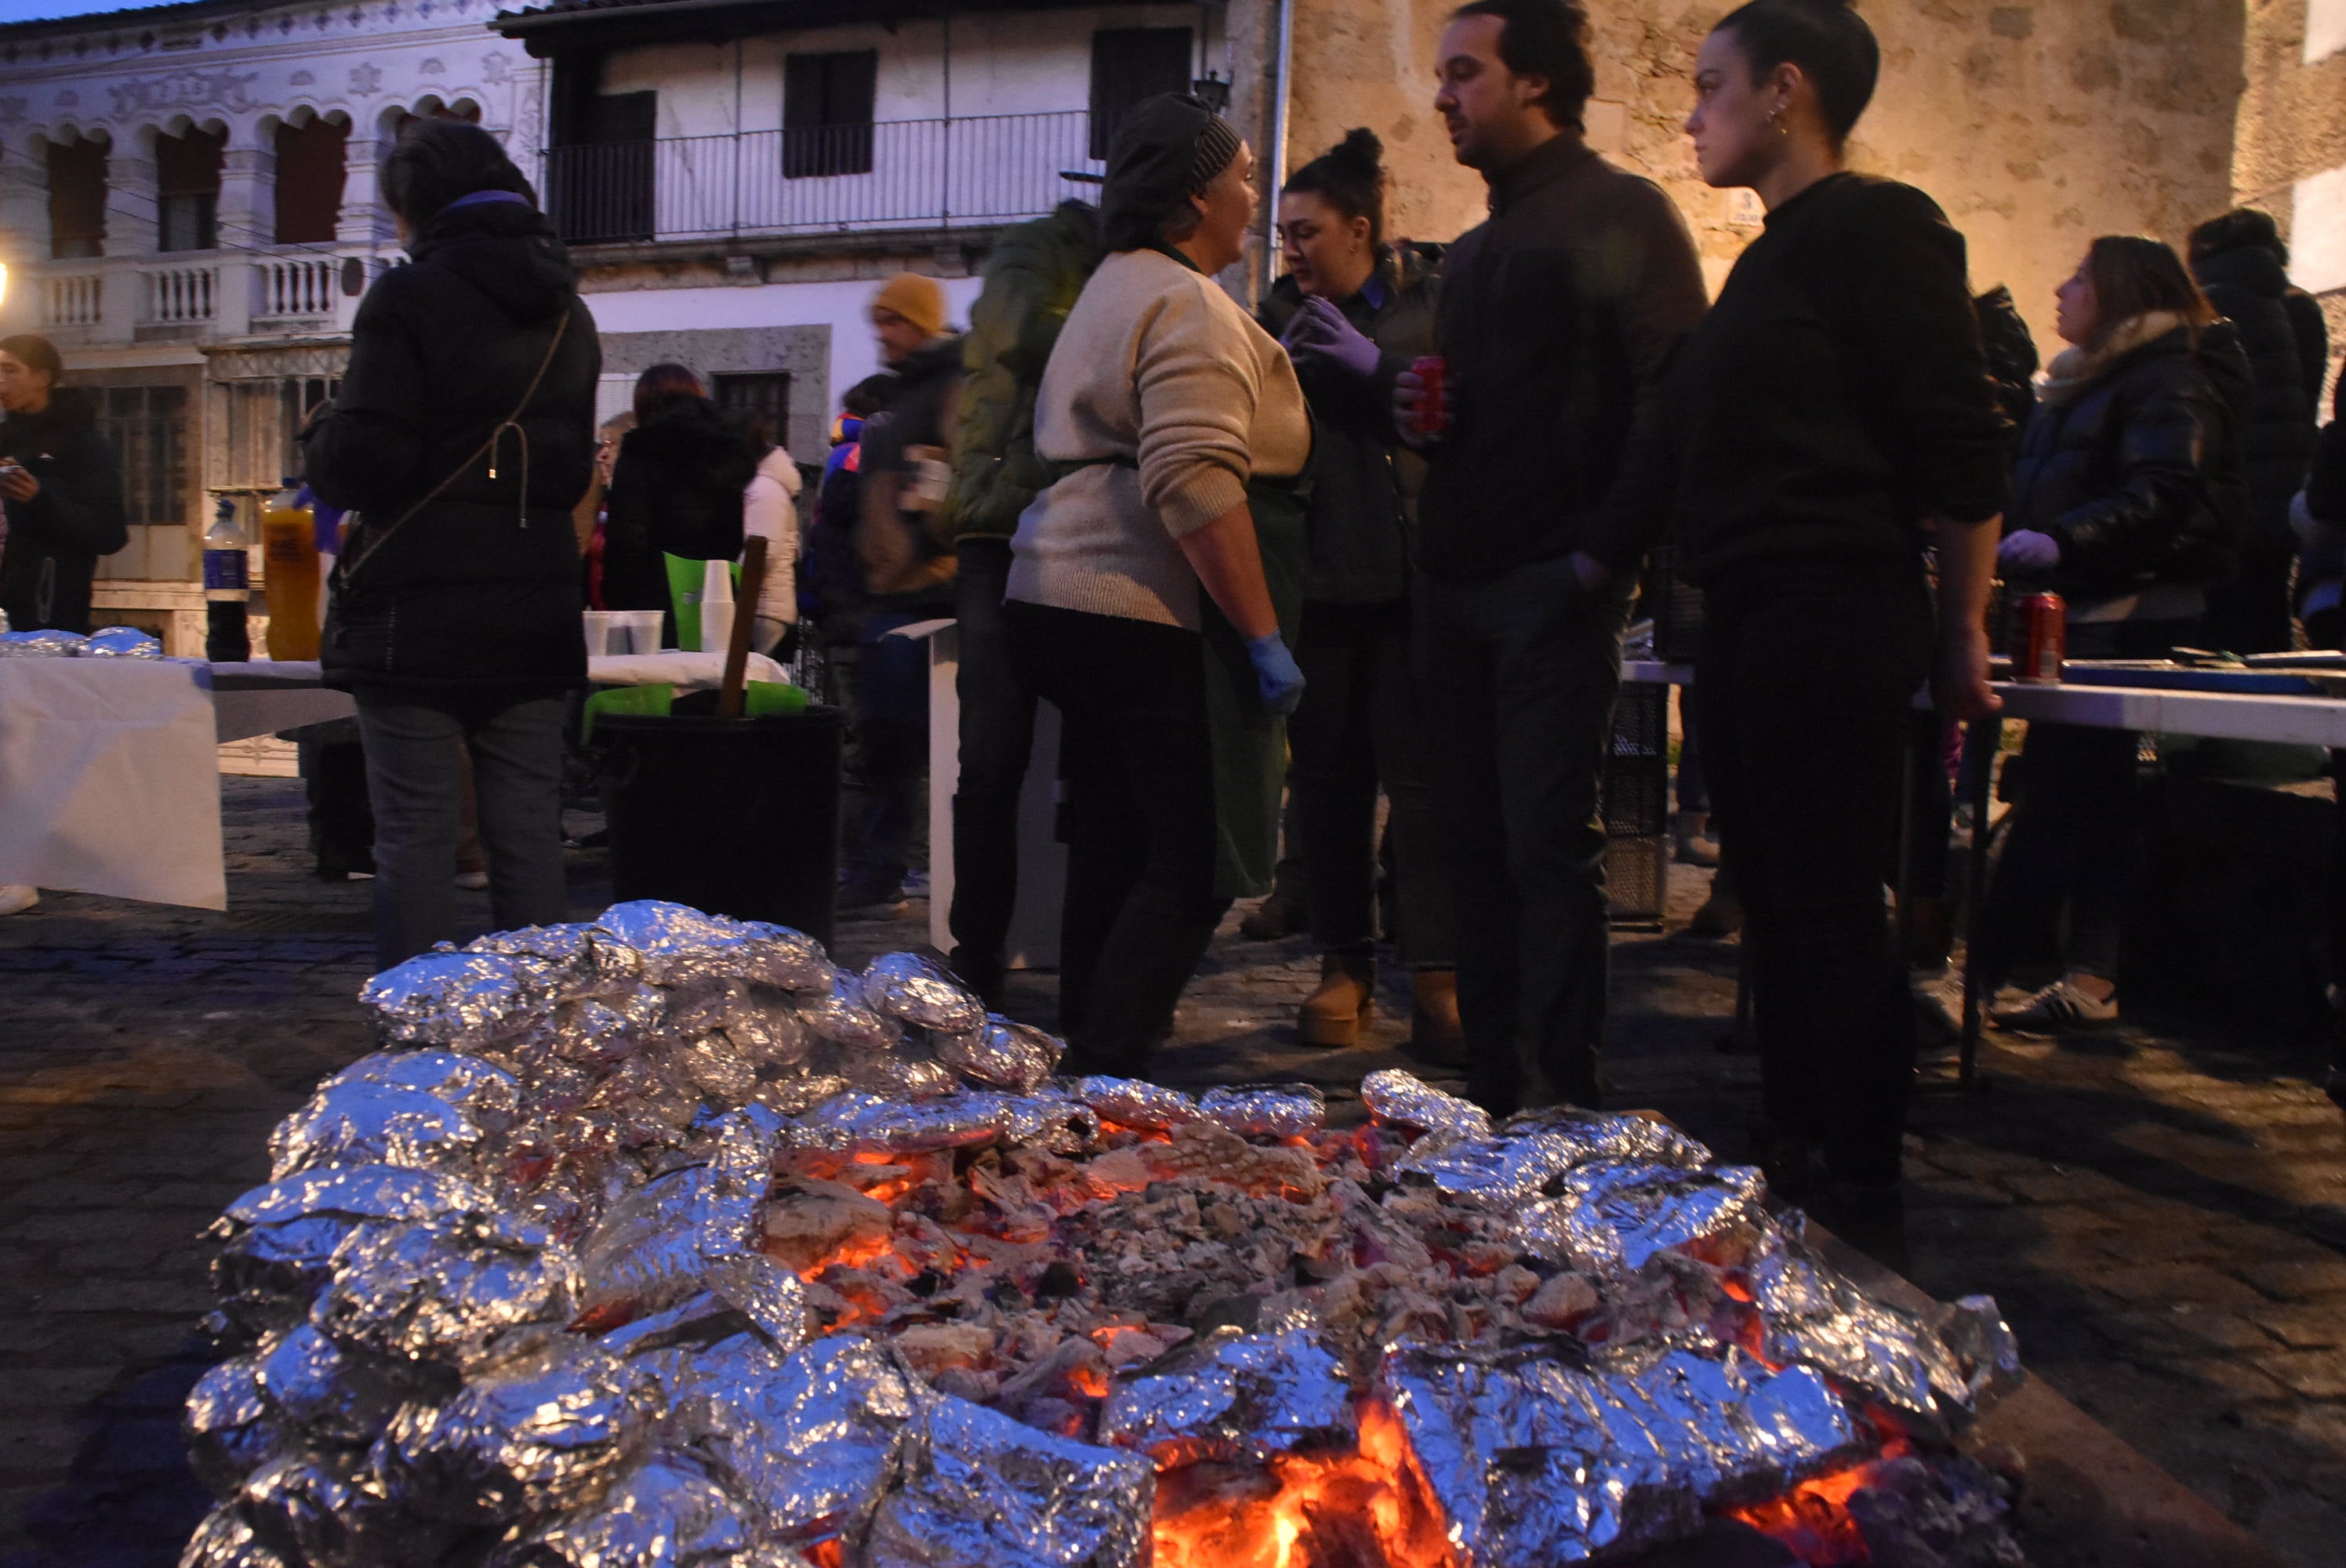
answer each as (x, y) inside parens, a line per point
(1559, 316)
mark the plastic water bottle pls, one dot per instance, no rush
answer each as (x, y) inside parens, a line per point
(228, 589)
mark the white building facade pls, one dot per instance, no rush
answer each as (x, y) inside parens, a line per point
(189, 204)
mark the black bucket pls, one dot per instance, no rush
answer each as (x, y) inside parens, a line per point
(733, 815)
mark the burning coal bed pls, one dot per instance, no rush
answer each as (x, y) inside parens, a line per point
(662, 1241)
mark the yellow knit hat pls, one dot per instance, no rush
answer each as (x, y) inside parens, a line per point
(917, 299)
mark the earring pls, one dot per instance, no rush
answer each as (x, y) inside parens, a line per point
(1776, 119)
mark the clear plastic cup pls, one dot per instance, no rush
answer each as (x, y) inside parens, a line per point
(602, 627)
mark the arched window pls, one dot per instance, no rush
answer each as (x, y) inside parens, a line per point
(186, 189)
(310, 182)
(76, 198)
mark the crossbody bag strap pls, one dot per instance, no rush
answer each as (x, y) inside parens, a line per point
(348, 566)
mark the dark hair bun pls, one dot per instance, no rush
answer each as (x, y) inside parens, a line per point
(1359, 150)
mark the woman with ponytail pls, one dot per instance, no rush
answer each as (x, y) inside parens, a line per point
(1353, 311)
(1832, 421)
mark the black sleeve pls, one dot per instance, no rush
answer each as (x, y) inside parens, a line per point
(2170, 429)
(1909, 288)
(365, 451)
(79, 507)
(1662, 303)
(2310, 328)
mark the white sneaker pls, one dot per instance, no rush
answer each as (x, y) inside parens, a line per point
(2059, 1007)
(16, 898)
(473, 880)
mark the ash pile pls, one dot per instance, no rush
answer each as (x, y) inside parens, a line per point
(663, 1241)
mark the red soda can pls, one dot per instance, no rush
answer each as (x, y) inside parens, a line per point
(1433, 420)
(2044, 638)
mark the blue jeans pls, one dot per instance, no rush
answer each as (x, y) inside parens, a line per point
(415, 783)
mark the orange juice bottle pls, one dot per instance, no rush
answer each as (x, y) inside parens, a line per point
(289, 544)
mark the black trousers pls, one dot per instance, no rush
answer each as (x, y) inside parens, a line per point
(1523, 671)
(1363, 723)
(997, 736)
(1136, 766)
(1804, 690)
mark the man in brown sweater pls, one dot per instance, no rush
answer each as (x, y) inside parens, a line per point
(1559, 317)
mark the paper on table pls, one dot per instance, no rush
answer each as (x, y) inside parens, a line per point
(109, 779)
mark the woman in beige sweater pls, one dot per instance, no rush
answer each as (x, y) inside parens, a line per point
(1138, 600)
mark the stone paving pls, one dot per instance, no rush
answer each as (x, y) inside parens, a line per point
(2160, 1209)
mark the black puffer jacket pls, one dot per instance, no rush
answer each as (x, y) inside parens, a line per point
(56, 538)
(1362, 515)
(473, 601)
(2138, 473)
(2248, 285)
(676, 490)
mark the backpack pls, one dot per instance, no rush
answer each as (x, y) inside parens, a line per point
(830, 575)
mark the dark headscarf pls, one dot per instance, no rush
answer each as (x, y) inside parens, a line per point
(1168, 150)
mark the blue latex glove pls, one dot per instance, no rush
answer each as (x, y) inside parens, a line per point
(2029, 552)
(1321, 330)
(1275, 675)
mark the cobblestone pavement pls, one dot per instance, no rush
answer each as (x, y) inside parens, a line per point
(2162, 1212)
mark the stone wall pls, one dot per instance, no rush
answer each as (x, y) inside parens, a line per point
(2036, 126)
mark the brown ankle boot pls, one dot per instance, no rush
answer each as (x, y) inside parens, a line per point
(1332, 1016)
(1434, 1033)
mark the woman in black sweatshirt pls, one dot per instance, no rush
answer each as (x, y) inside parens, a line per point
(1831, 420)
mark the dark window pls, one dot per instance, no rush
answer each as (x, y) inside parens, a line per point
(762, 395)
(187, 191)
(827, 107)
(76, 199)
(263, 415)
(1128, 64)
(310, 182)
(148, 427)
(600, 174)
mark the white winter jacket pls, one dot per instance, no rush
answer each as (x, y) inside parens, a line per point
(769, 511)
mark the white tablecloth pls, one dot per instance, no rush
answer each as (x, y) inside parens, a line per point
(109, 779)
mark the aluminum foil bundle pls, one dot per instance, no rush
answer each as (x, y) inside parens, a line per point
(1001, 1054)
(459, 999)
(40, 645)
(438, 1290)
(1983, 1345)
(702, 1339)
(693, 1230)
(842, 1016)
(668, 1512)
(1061, 1125)
(231, 1428)
(1134, 1103)
(710, 1063)
(334, 1396)
(481, 1089)
(1643, 1208)
(362, 1123)
(1506, 1170)
(120, 642)
(1398, 1099)
(800, 1097)
(897, 1074)
(1810, 1315)
(980, 1491)
(1267, 1110)
(318, 1510)
(814, 1443)
(1539, 1458)
(280, 1240)
(1230, 1395)
(557, 960)
(225, 1539)
(956, 1121)
(675, 944)
(760, 1023)
(919, 991)
(608, 1026)
(539, 1427)
(831, 1124)
(1595, 1136)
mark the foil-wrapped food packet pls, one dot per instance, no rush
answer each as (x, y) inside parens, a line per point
(231, 1428)
(225, 1539)
(980, 1491)
(1652, 1207)
(676, 945)
(815, 1443)
(1135, 1103)
(842, 1016)
(279, 1240)
(43, 644)
(1231, 1396)
(317, 1510)
(919, 991)
(557, 960)
(543, 1422)
(1810, 1315)
(1398, 1099)
(436, 1290)
(1001, 1054)
(335, 1397)
(120, 642)
(364, 1123)
(1508, 1169)
(1267, 1110)
(670, 1511)
(483, 1091)
(454, 999)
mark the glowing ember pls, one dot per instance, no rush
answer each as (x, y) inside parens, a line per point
(1813, 1521)
(1368, 1507)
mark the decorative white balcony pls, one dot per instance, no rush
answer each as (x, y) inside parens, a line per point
(894, 175)
(303, 289)
(210, 295)
(72, 300)
(184, 295)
